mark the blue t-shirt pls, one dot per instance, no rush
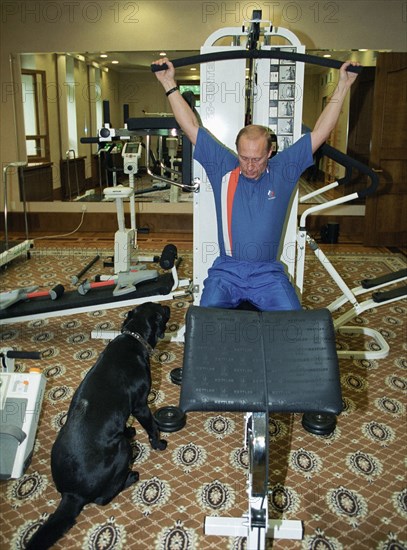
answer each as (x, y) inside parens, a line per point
(251, 213)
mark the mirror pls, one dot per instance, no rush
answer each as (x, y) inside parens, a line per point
(66, 94)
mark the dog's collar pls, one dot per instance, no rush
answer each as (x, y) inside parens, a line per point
(140, 339)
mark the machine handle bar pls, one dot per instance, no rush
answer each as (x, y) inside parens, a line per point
(89, 140)
(254, 54)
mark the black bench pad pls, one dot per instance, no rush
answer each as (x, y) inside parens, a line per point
(241, 360)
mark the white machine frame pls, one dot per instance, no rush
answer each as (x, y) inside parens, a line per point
(349, 295)
(255, 525)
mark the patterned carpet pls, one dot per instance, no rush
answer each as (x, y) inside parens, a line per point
(349, 489)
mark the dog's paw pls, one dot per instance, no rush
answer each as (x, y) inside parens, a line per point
(158, 444)
(132, 477)
(135, 476)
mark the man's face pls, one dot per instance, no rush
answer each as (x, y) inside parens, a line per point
(253, 156)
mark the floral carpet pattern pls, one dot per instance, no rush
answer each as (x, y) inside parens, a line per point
(348, 489)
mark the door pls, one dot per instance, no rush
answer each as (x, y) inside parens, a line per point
(386, 210)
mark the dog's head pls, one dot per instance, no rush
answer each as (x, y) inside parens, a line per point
(149, 320)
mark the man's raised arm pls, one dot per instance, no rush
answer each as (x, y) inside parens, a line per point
(183, 113)
(329, 116)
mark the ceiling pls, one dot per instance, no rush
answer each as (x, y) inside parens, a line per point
(135, 61)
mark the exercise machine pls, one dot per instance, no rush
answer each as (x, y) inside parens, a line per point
(130, 141)
(286, 368)
(271, 96)
(125, 240)
(140, 284)
(165, 286)
(229, 100)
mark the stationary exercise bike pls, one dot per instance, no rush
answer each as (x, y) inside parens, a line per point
(125, 241)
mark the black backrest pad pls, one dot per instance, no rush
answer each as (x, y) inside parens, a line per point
(242, 360)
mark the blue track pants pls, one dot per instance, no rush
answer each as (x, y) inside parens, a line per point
(264, 284)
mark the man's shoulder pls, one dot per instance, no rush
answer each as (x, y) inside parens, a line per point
(206, 136)
(303, 142)
(207, 143)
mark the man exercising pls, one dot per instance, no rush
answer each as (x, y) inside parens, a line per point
(252, 194)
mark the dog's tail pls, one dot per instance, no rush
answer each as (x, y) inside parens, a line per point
(58, 523)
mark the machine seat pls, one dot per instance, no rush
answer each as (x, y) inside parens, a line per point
(280, 361)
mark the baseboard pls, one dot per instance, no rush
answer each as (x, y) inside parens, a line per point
(61, 222)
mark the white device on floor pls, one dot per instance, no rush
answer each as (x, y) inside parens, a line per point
(21, 396)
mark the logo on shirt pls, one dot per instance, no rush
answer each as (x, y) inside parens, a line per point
(271, 195)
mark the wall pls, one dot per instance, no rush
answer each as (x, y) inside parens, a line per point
(64, 25)
(139, 91)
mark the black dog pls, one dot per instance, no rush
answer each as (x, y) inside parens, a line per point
(91, 457)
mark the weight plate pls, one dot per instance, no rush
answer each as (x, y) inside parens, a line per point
(176, 376)
(170, 419)
(319, 424)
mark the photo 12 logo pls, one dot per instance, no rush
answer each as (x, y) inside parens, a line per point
(69, 12)
(275, 12)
